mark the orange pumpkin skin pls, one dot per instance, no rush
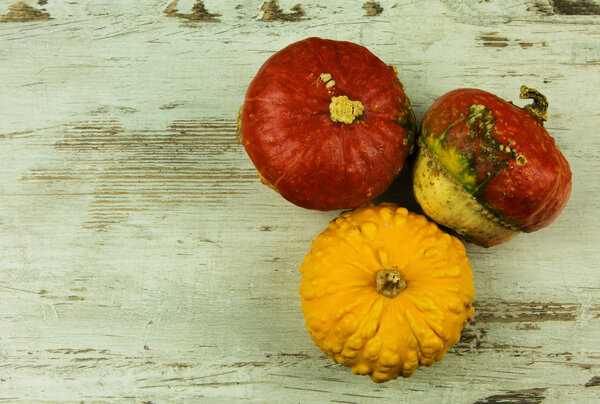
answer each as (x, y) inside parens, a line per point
(385, 335)
(327, 124)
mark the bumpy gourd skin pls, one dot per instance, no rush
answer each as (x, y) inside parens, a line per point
(385, 337)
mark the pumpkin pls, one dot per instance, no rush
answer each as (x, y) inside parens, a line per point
(385, 291)
(488, 169)
(327, 124)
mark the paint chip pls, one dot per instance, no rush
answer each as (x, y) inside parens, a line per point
(527, 396)
(593, 382)
(577, 7)
(272, 12)
(23, 12)
(198, 14)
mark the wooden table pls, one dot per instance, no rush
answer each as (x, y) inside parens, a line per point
(141, 260)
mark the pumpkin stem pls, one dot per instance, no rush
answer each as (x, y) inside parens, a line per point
(342, 109)
(389, 282)
(539, 108)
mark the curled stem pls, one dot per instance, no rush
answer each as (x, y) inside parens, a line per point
(539, 108)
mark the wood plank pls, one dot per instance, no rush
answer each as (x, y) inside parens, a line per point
(142, 260)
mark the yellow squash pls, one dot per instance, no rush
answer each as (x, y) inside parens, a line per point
(385, 291)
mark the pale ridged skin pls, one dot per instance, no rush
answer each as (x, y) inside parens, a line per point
(385, 337)
(447, 202)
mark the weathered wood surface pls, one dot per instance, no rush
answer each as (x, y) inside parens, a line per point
(142, 261)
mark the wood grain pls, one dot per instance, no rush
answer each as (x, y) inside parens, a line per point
(143, 261)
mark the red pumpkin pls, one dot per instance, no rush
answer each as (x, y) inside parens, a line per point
(489, 169)
(327, 124)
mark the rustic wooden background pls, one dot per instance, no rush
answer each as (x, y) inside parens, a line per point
(141, 260)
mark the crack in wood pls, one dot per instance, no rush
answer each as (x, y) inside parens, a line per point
(527, 396)
(568, 356)
(525, 312)
(89, 359)
(70, 298)
(492, 40)
(527, 326)
(362, 395)
(586, 366)
(474, 340)
(179, 365)
(41, 292)
(254, 364)
(305, 389)
(171, 105)
(71, 351)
